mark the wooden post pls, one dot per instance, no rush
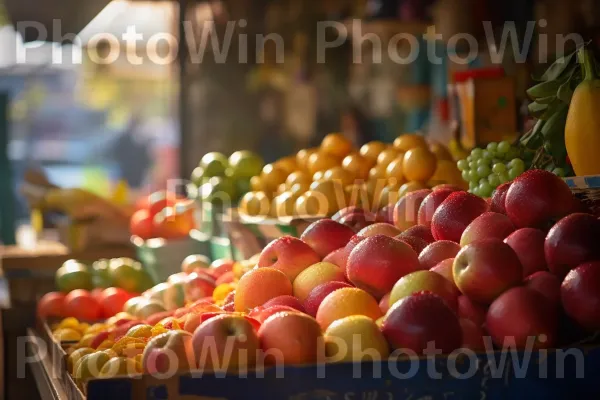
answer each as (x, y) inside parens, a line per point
(7, 209)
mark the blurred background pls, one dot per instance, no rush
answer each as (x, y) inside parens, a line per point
(92, 125)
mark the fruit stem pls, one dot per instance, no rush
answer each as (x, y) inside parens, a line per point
(586, 58)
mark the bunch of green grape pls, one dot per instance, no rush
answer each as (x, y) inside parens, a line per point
(486, 169)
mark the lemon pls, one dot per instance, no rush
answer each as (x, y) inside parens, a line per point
(67, 335)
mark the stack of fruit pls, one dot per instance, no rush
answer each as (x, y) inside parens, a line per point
(94, 293)
(320, 181)
(523, 270)
(162, 215)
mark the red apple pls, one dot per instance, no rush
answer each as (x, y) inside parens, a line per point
(173, 223)
(225, 334)
(472, 335)
(437, 252)
(170, 351)
(471, 311)
(420, 231)
(326, 235)
(487, 225)
(337, 257)
(430, 204)
(572, 241)
(421, 281)
(580, 294)
(384, 303)
(289, 255)
(416, 243)
(444, 268)
(227, 277)
(528, 243)
(546, 284)
(416, 320)
(525, 316)
(407, 209)
(377, 262)
(261, 313)
(355, 217)
(316, 296)
(221, 266)
(196, 286)
(485, 269)
(454, 215)
(386, 214)
(380, 228)
(497, 203)
(289, 301)
(536, 198)
(342, 258)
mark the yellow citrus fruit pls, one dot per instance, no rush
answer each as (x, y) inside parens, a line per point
(255, 204)
(256, 184)
(77, 355)
(312, 204)
(337, 145)
(83, 327)
(407, 142)
(441, 152)
(139, 331)
(300, 188)
(287, 164)
(411, 186)
(119, 366)
(67, 335)
(86, 340)
(272, 176)
(297, 177)
(105, 345)
(318, 176)
(111, 353)
(283, 205)
(222, 291)
(378, 172)
(302, 158)
(321, 161)
(371, 150)
(419, 164)
(387, 156)
(394, 169)
(97, 328)
(389, 194)
(357, 195)
(339, 174)
(358, 165)
(69, 322)
(446, 172)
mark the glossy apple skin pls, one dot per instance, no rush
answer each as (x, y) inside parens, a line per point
(521, 313)
(471, 311)
(326, 235)
(421, 281)
(170, 347)
(355, 217)
(580, 295)
(444, 268)
(318, 294)
(454, 215)
(416, 243)
(289, 301)
(498, 199)
(472, 335)
(536, 198)
(528, 243)
(572, 241)
(377, 263)
(406, 210)
(546, 284)
(380, 228)
(437, 252)
(197, 287)
(414, 321)
(341, 259)
(420, 231)
(430, 205)
(485, 269)
(289, 255)
(487, 225)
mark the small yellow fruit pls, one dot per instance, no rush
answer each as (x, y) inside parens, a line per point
(372, 150)
(407, 142)
(255, 204)
(387, 156)
(139, 331)
(67, 335)
(395, 170)
(411, 186)
(337, 145)
(77, 355)
(302, 158)
(297, 177)
(339, 174)
(69, 322)
(321, 161)
(419, 164)
(358, 165)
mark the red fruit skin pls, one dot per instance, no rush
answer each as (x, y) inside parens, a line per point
(229, 307)
(431, 203)
(220, 267)
(355, 217)
(142, 224)
(484, 269)
(112, 300)
(580, 295)
(414, 321)
(437, 252)
(156, 318)
(326, 235)
(416, 243)
(51, 305)
(420, 231)
(386, 214)
(262, 313)
(536, 198)
(472, 335)
(444, 268)
(546, 284)
(227, 277)
(406, 209)
(337, 257)
(572, 241)
(229, 298)
(488, 225)
(498, 200)
(520, 313)
(81, 305)
(289, 255)
(454, 214)
(471, 311)
(342, 257)
(377, 263)
(528, 243)
(384, 303)
(289, 301)
(318, 294)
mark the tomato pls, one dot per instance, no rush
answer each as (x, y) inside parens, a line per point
(157, 201)
(97, 293)
(81, 305)
(113, 299)
(52, 305)
(141, 224)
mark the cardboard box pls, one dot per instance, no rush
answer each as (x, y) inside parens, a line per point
(587, 189)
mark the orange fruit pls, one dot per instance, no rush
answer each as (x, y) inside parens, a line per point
(358, 195)
(389, 194)
(407, 142)
(387, 156)
(447, 172)
(321, 161)
(272, 176)
(280, 189)
(311, 204)
(346, 302)
(337, 145)
(302, 158)
(441, 152)
(419, 164)
(255, 204)
(333, 192)
(394, 169)
(260, 285)
(411, 186)
(284, 204)
(339, 174)
(377, 172)
(297, 177)
(256, 184)
(318, 176)
(358, 165)
(371, 150)
(300, 188)
(288, 164)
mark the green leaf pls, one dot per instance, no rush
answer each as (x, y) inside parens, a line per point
(536, 109)
(544, 89)
(558, 67)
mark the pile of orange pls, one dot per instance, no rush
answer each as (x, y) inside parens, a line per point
(317, 182)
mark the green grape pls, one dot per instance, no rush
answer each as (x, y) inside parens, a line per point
(494, 180)
(517, 164)
(469, 159)
(472, 185)
(473, 177)
(492, 147)
(483, 171)
(503, 147)
(512, 153)
(498, 168)
(513, 173)
(482, 180)
(496, 161)
(473, 165)
(488, 156)
(462, 165)
(485, 189)
(503, 177)
(482, 161)
(559, 172)
(475, 191)
(466, 175)
(476, 153)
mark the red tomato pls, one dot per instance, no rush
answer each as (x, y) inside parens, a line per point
(156, 318)
(97, 293)
(81, 305)
(157, 201)
(52, 305)
(113, 299)
(142, 224)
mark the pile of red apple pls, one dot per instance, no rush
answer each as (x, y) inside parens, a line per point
(162, 215)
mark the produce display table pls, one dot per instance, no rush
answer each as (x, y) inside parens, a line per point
(47, 386)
